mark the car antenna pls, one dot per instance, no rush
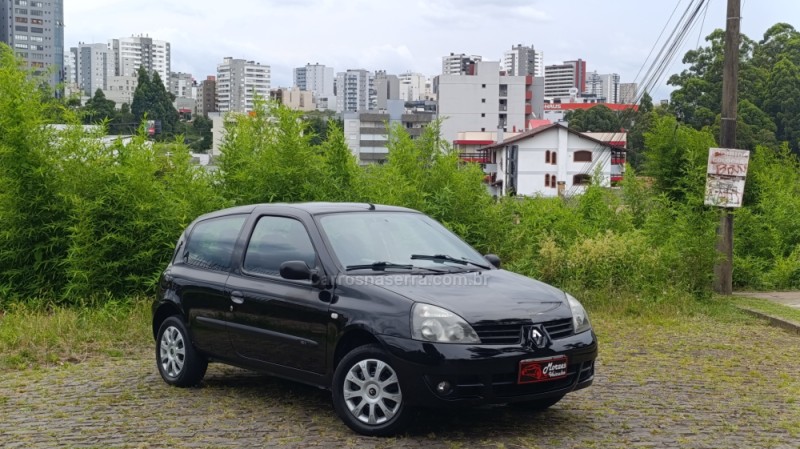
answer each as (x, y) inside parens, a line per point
(371, 206)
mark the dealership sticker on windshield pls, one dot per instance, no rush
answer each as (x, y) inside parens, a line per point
(542, 370)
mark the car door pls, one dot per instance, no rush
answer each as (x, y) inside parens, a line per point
(200, 273)
(276, 320)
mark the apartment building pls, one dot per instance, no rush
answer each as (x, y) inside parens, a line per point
(319, 80)
(355, 91)
(238, 83)
(604, 87)
(565, 80)
(294, 98)
(120, 89)
(523, 60)
(93, 64)
(182, 85)
(130, 53)
(34, 29)
(459, 64)
(367, 132)
(628, 93)
(484, 101)
(207, 96)
(414, 87)
(387, 87)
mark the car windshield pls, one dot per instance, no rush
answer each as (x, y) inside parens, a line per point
(360, 239)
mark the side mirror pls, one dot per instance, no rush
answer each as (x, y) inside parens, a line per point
(493, 259)
(296, 270)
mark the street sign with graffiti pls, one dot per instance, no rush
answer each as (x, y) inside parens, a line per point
(727, 171)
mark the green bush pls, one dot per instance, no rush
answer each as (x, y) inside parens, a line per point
(83, 222)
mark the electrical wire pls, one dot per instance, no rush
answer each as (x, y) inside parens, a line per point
(652, 49)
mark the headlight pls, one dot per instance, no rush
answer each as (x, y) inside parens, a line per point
(580, 320)
(431, 323)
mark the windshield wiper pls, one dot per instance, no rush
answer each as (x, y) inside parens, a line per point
(380, 266)
(446, 258)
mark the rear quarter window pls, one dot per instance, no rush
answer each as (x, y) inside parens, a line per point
(212, 241)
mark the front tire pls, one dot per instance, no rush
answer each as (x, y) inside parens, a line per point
(367, 394)
(178, 361)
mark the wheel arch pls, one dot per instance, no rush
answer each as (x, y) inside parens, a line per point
(352, 339)
(164, 311)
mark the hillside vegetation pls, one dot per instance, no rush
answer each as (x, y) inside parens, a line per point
(86, 223)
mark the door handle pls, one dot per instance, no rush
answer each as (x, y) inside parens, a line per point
(237, 297)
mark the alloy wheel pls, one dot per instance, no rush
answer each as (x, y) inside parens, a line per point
(372, 391)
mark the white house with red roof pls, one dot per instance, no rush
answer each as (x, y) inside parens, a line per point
(552, 160)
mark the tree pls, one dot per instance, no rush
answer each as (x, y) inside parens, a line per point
(98, 108)
(781, 103)
(676, 156)
(152, 100)
(597, 119)
(124, 122)
(202, 127)
(698, 97)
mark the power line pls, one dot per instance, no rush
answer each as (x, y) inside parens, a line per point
(652, 49)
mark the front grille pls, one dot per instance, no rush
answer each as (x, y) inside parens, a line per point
(510, 332)
(504, 333)
(559, 328)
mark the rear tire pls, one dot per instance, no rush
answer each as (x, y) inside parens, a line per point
(367, 394)
(177, 360)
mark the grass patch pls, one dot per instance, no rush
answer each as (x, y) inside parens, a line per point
(769, 308)
(39, 336)
(668, 308)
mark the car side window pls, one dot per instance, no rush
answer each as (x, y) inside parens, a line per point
(212, 241)
(276, 240)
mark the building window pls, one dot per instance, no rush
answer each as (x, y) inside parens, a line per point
(37, 30)
(21, 2)
(483, 100)
(547, 180)
(547, 157)
(483, 114)
(21, 19)
(583, 156)
(553, 181)
(20, 10)
(553, 158)
(581, 180)
(22, 46)
(22, 28)
(20, 37)
(36, 12)
(37, 21)
(483, 86)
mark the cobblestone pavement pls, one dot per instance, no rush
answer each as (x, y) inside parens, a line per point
(696, 383)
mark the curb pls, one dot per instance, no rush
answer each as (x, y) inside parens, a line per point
(783, 323)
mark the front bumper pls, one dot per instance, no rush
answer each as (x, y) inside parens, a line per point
(485, 374)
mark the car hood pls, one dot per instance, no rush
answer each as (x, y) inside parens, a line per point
(482, 296)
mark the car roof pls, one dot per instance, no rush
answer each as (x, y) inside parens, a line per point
(313, 208)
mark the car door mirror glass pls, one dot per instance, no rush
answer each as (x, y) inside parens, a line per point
(296, 270)
(493, 259)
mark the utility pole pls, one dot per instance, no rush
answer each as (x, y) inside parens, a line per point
(723, 269)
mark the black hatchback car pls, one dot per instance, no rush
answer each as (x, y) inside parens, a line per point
(382, 305)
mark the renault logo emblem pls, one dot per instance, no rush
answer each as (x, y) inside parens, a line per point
(537, 338)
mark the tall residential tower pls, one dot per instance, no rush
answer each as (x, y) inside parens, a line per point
(35, 31)
(238, 83)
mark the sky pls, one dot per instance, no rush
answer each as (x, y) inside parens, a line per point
(612, 36)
